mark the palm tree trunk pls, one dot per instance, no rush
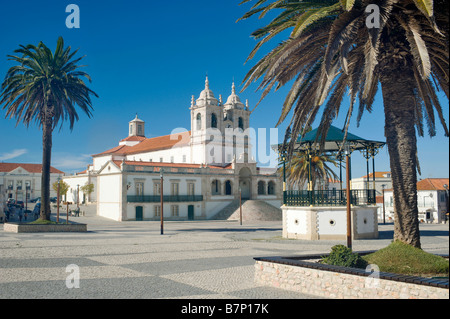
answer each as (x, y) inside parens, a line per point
(47, 130)
(398, 97)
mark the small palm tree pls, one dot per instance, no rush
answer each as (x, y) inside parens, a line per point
(45, 87)
(343, 46)
(298, 173)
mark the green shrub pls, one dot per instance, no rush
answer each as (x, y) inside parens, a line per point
(343, 256)
(401, 258)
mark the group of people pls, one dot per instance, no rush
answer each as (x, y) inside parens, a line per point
(17, 211)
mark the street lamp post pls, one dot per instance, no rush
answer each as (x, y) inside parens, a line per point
(78, 196)
(240, 205)
(348, 193)
(161, 174)
(57, 201)
(447, 202)
(383, 186)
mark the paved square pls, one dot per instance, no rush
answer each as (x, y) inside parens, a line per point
(199, 259)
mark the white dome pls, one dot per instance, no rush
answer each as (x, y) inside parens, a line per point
(207, 96)
(233, 100)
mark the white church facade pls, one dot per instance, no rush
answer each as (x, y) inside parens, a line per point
(205, 171)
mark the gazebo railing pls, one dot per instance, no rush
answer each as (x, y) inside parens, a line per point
(359, 197)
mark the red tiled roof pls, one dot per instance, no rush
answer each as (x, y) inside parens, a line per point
(133, 139)
(377, 174)
(119, 150)
(432, 184)
(151, 144)
(31, 168)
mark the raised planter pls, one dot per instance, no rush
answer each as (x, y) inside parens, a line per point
(305, 276)
(50, 228)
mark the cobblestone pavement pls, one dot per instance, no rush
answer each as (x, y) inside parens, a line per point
(198, 259)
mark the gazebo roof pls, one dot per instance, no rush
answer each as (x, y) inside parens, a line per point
(334, 140)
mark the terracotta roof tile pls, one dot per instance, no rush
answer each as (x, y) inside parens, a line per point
(133, 139)
(160, 143)
(151, 144)
(377, 174)
(432, 184)
(31, 168)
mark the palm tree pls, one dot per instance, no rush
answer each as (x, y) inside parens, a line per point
(45, 87)
(334, 49)
(297, 170)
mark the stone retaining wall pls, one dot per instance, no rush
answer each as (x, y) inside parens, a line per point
(52, 228)
(344, 283)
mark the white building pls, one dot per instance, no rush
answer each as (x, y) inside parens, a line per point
(76, 182)
(432, 200)
(382, 180)
(205, 170)
(22, 182)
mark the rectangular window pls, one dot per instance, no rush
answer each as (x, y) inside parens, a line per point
(157, 210)
(171, 159)
(174, 210)
(184, 158)
(157, 188)
(174, 189)
(161, 159)
(139, 189)
(191, 189)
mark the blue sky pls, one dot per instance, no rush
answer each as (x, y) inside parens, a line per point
(150, 57)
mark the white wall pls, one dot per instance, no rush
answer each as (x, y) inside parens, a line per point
(109, 196)
(155, 156)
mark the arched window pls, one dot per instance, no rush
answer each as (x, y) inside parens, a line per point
(213, 120)
(241, 123)
(261, 188)
(228, 188)
(215, 187)
(199, 121)
(271, 188)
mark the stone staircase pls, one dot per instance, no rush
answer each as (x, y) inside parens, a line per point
(251, 210)
(227, 211)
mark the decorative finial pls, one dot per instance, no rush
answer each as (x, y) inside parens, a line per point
(246, 103)
(192, 100)
(220, 99)
(206, 82)
(233, 89)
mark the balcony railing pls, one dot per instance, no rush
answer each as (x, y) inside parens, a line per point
(166, 198)
(329, 197)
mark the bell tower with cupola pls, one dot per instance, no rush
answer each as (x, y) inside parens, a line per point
(206, 128)
(136, 127)
(237, 119)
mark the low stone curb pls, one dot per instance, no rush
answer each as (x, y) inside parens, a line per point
(51, 228)
(297, 274)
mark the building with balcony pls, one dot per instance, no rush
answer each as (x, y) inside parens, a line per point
(432, 200)
(205, 171)
(22, 182)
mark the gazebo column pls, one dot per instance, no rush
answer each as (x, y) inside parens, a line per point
(373, 166)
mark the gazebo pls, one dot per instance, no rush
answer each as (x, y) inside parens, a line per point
(327, 214)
